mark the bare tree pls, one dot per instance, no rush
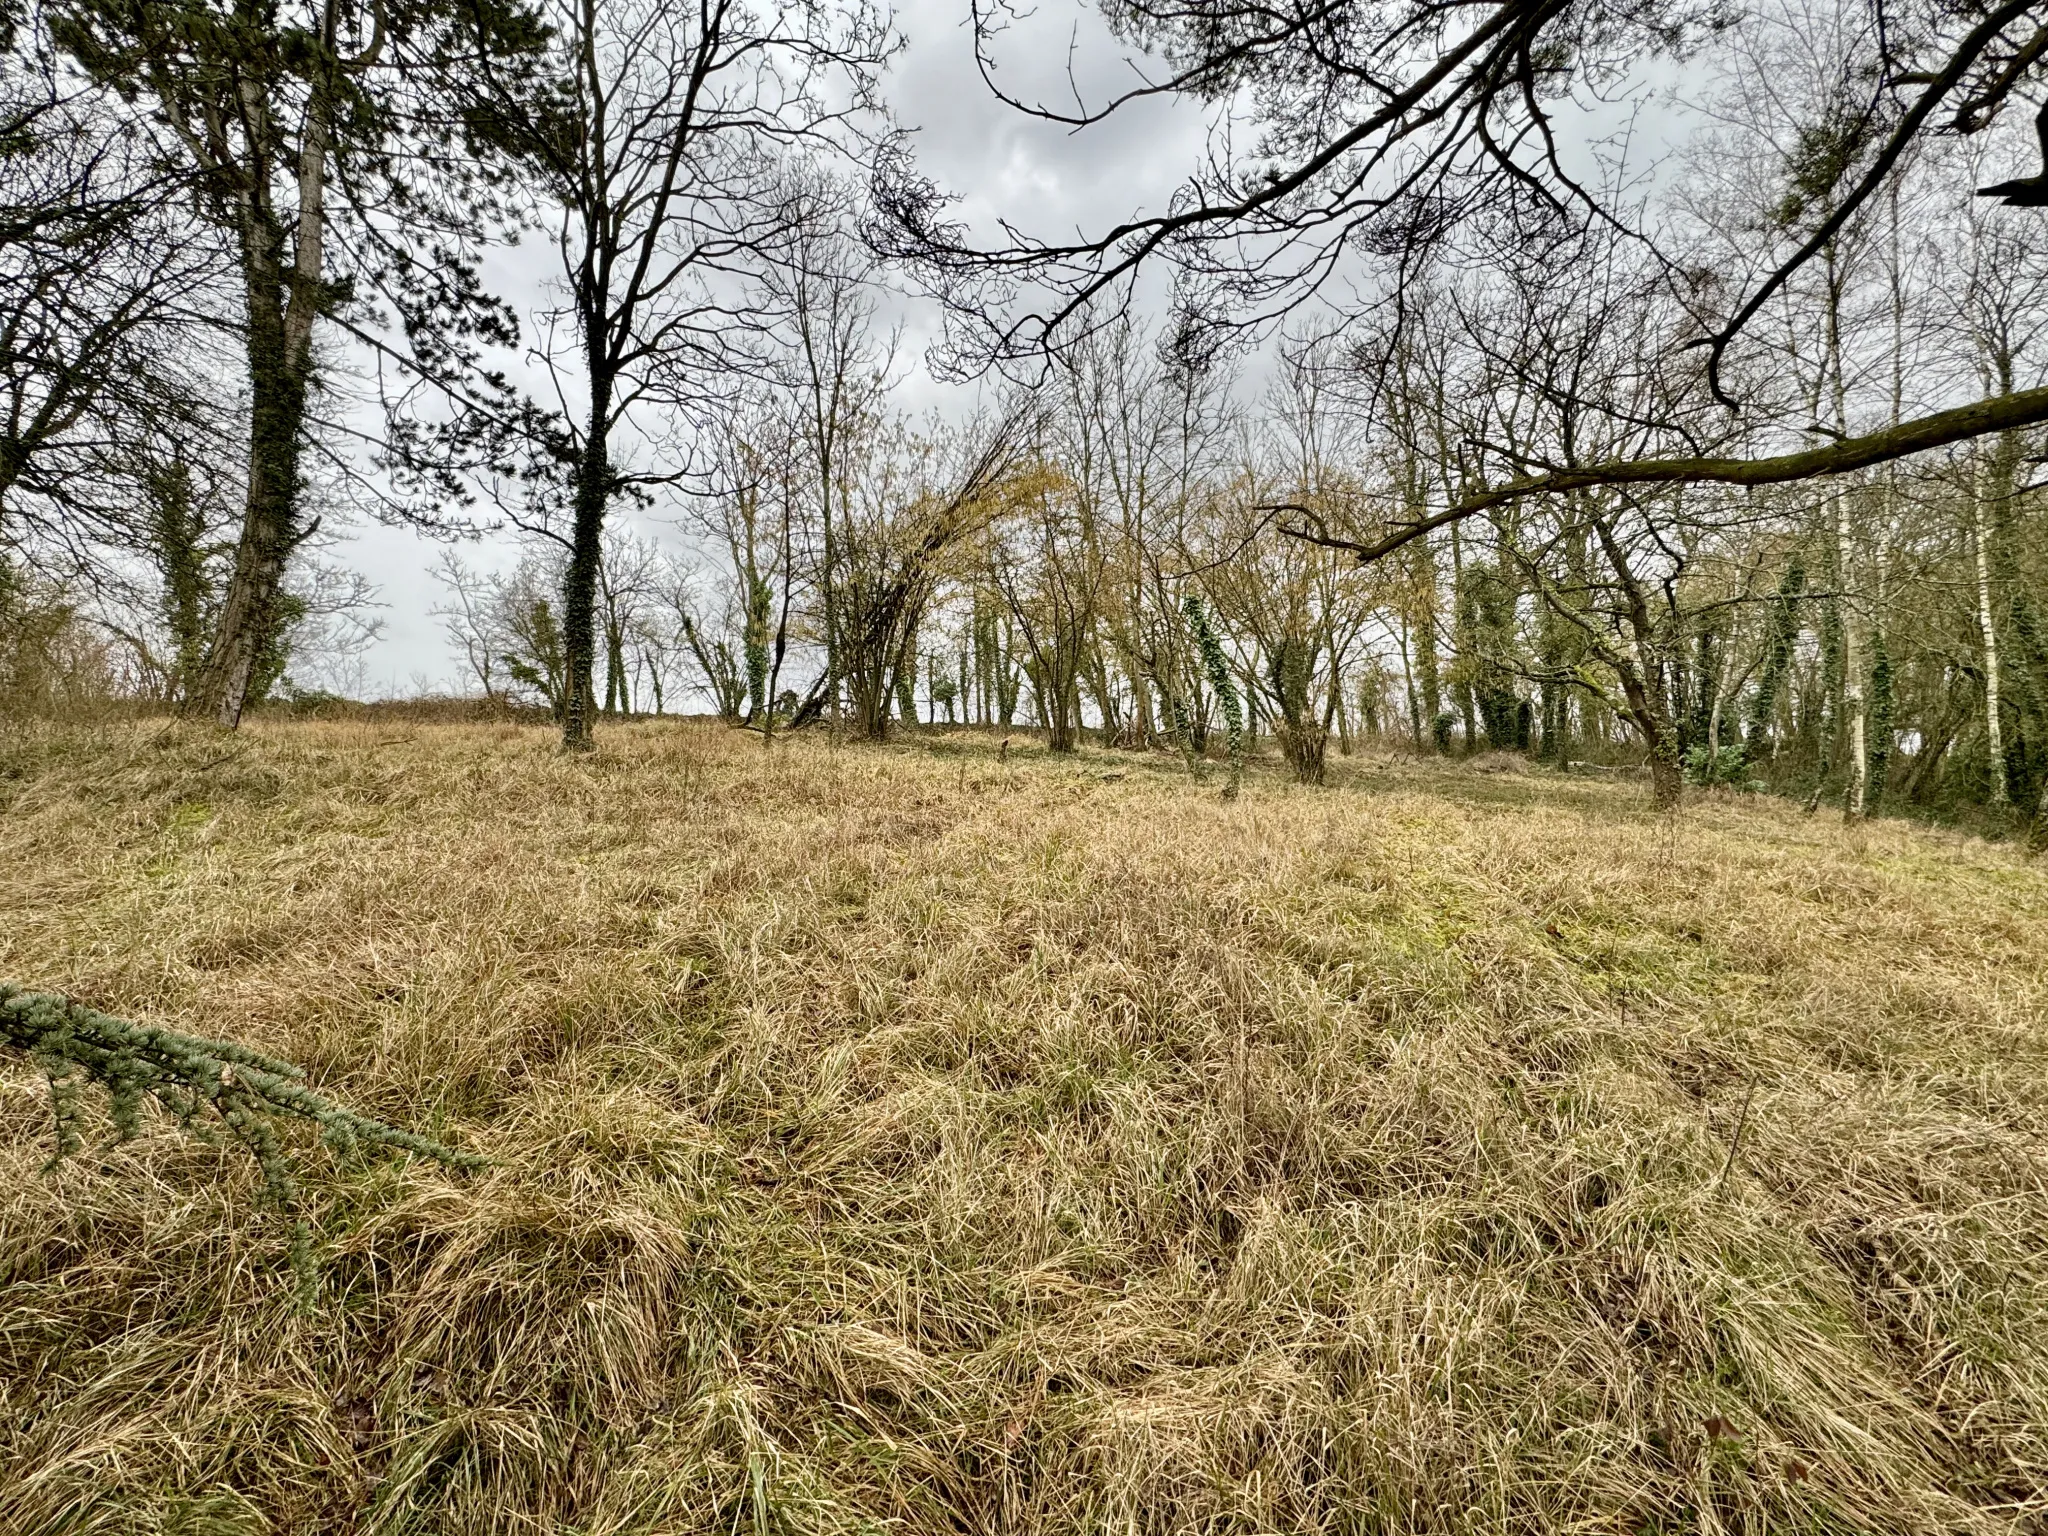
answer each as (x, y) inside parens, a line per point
(919, 495)
(110, 353)
(661, 159)
(1369, 137)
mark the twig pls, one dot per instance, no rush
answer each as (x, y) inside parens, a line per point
(1735, 1141)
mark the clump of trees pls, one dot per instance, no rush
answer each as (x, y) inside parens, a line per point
(1457, 433)
(1734, 475)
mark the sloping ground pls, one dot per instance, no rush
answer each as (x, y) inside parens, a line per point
(903, 1140)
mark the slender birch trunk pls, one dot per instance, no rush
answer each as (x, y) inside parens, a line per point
(1994, 728)
(1855, 707)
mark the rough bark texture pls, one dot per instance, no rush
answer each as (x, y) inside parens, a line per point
(281, 308)
(579, 576)
(284, 297)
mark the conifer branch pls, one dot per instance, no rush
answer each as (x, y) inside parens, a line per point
(189, 1077)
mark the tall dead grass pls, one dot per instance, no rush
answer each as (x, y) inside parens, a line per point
(900, 1140)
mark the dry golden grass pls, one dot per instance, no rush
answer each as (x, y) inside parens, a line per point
(899, 1140)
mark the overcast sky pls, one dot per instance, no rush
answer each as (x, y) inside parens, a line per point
(997, 161)
(999, 164)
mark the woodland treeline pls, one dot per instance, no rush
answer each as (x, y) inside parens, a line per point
(1724, 459)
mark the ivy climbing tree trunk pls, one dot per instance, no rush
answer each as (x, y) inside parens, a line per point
(280, 364)
(1781, 636)
(1217, 667)
(284, 294)
(258, 111)
(177, 530)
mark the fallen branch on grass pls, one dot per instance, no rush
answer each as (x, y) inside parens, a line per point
(192, 1079)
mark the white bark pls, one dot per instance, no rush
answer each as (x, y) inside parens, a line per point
(1994, 730)
(1854, 706)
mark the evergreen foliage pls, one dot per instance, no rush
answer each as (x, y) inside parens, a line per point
(1777, 658)
(1185, 738)
(1487, 623)
(1883, 713)
(1290, 671)
(178, 540)
(1725, 765)
(1832, 649)
(1217, 666)
(755, 637)
(191, 1079)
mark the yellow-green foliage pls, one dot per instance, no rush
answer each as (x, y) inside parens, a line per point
(900, 1140)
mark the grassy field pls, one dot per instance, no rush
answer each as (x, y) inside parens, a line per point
(904, 1140)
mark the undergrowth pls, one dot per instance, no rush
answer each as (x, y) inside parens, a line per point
(911, 1140)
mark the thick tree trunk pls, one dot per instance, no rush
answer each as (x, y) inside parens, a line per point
(1643, 681)
(1652, 720)
(1306, 748)
(279, 361)
(868, 692)
(283, 303)
(1667, 783)
(1063, 708)
(579, 577)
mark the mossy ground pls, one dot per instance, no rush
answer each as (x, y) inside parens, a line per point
(907, 1140)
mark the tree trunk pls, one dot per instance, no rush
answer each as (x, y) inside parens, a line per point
(1667, 783)
(906, 691)
(1993, 726)
(1854, 705)
(579, 577)
(283, 302)
(1063, 702)
(1652, 721)
(1305, 748)
(270, 509)
(1643, 681)
(616, 699)
(1408, 682)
